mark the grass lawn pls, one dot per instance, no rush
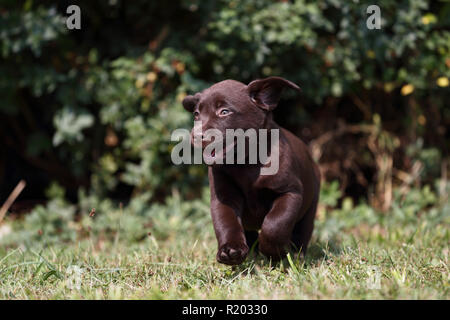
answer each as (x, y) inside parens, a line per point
(356, 253)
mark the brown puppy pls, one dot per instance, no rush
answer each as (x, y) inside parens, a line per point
(281, 206)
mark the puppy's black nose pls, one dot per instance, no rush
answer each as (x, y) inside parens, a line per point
(200, 137)
(197, 134)
(198, 140)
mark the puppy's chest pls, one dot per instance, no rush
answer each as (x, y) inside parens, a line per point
(257, 204)
(257, 196)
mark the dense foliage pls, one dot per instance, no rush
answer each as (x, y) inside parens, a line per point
(92, 110)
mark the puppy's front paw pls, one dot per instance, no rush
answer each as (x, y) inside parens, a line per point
(232, 253)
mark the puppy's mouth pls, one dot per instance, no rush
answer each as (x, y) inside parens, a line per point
(215, 155)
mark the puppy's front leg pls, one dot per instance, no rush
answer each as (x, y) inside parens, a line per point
(278, 224)
(232, 245)
(226, 208)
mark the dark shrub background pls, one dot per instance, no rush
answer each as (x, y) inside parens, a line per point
(92, 110)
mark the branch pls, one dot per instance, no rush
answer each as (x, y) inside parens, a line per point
(12, 197)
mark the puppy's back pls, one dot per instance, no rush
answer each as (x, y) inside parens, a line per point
(309, 171)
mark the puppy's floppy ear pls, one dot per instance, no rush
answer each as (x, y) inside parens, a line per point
(266, 93)
(189, 102)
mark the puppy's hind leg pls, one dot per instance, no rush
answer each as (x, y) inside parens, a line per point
(303, 229)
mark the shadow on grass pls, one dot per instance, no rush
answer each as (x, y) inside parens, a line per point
(318, 251)
(323, 251)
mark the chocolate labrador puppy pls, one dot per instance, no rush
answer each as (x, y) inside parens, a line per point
(276, 209)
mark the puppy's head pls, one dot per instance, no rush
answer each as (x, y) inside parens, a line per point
(231, 104)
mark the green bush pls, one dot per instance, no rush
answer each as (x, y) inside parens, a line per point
(94, 108)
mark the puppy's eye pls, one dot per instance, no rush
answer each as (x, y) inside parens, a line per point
(224, 112)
